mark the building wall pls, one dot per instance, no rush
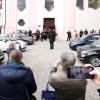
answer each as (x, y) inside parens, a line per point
(10, 14)
(29, 14)
(64, 18)
(88, 18)
(67, 16)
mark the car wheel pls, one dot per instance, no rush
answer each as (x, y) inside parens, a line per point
(95, 61)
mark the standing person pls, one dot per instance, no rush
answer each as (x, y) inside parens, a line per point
(30, 33)
(51, 35)
(66, 89)
(12, 46)
(76, 35)
(44, 35)
(68, 35)
(16, 80)
(86, 32)
(37, 34)
(81, 33)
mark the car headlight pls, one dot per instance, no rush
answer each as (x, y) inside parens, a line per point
(84, 53)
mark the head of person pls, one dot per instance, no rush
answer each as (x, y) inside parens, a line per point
(15, 55)
(67, 59)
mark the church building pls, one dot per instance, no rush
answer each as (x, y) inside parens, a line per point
(62, 15)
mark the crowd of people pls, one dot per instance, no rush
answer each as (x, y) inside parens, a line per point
(81, 33)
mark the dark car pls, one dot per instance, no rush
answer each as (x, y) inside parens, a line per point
(21, 36)
(90, 53)
(84, 40)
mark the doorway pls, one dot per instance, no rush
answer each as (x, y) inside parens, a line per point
(49, 23)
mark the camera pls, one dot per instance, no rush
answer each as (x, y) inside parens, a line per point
(79, 72)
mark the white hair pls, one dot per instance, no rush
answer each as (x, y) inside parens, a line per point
(68, 58)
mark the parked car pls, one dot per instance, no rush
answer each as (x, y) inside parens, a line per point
(5, 41)
(84, 40)
(90, 53)
(1, 55)
(21, 36)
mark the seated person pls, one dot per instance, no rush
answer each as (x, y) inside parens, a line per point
(66, 89)
(16, 80)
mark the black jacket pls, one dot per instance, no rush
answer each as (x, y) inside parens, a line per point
(51, 36)
(14, 80)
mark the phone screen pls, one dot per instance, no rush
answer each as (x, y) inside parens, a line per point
(79, 72)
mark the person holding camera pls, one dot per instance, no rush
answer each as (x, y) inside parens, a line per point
(96, 75)
(66, 89)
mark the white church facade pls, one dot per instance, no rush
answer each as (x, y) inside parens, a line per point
(63, 15)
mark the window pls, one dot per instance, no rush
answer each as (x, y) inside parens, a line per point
(21, 5)
(21, 22)
(49, 4)
(79, 4)
(0, 4)
(95, 4)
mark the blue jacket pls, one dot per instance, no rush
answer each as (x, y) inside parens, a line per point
(14, 80)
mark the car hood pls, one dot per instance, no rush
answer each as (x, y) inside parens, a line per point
(77, 41)
(87, 47)
(12, 73)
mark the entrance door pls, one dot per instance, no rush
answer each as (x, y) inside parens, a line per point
(49, 23)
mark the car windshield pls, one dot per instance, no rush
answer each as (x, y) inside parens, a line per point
(96, 43)
(83, 37)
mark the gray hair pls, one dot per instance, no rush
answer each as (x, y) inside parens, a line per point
(68, 59)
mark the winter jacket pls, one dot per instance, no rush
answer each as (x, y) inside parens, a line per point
(15, 79)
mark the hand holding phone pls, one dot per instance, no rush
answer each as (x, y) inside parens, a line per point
(79, 72)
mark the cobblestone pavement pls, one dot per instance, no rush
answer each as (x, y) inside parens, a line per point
(40, 58)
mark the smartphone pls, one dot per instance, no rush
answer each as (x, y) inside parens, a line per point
(79, 72)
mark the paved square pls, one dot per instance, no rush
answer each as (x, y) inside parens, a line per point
(40, 58)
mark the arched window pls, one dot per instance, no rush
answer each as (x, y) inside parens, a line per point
(49, 4)
(21, 4)
(0, 4)
(79, 4)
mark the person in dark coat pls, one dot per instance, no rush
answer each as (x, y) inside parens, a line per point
(69, 35)
(44, 35)
(86, 32)
(30, 33)
(81, 33)
(16, 80)
(37, 34)
(51, 35)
